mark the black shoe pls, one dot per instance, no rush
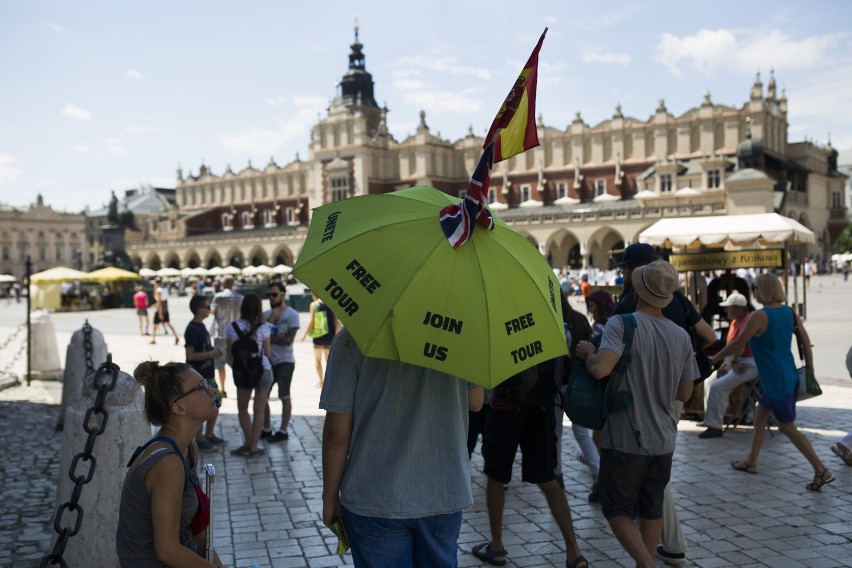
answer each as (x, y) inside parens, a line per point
(670, 558)
(711, 433)
(265, 434)
(279, 436)
(595, 495)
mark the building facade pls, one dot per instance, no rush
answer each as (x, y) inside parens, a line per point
(586, 190)
(48, 237)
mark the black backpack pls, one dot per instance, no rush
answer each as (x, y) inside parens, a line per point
(536, 386)
(247, 360)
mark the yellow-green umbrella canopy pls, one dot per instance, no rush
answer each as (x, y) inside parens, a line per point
(482, 312)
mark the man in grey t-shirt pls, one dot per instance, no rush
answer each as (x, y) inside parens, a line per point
(637, 444)
(394, 456)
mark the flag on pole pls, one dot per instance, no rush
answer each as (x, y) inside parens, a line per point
(513, 130)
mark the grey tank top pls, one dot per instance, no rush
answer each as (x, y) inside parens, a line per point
(134, 538)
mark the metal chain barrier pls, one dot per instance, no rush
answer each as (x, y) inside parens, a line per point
(10, 361)
(87, 347)
(104, 381)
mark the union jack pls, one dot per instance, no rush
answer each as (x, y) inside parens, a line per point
(456, 220)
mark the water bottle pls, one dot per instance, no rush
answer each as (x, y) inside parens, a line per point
(567, 335)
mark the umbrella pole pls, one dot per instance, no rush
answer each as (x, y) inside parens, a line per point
(28, 268)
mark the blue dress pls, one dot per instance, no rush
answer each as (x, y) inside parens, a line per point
(774, 359)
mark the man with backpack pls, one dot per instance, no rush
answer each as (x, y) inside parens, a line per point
(637, 443)
(225, 308)
(682, 312)
(523, 414)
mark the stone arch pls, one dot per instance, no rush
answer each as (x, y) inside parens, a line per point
(257, 256)
(281, 255)
(235, 257)
(559, 247)
(602, 243)
(171, 259)
(212, 259)
(191, 259)
(153, 261)
(136, 260)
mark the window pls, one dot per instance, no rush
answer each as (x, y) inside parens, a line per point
(226, 220)
(492, 196)
(58, 253)
(714, 178)
(291, 216)
(600, 187)
(246, 217)
(42, 253)
(525, 193)
(41, 234)
(73, 234)
(5, 252)
(666, 182)
(339, 188)
(267, 216)
(836, 200)
(561, 190)
(171, 224)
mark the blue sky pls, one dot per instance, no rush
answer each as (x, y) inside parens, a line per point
(102, 95)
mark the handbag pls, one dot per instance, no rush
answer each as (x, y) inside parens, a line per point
(808, 385)
(320, 320)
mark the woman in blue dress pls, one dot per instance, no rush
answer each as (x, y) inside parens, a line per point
(769, 334)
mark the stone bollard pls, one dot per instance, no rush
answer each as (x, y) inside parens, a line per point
(125, 429)
(44, 354)
(76, 364)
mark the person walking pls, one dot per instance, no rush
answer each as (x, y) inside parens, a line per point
(769, 334)
(251, 323)
(320, 312)
(730, 373)
(140, 303)
(637, 444)
(200, 354)
(163, 515)
(284, 324)
(683, 313)
(382, 418)
(161, 311)
(225, 308)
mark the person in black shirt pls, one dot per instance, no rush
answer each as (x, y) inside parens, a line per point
(200, 355)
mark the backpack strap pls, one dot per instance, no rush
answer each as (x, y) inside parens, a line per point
(240, 333)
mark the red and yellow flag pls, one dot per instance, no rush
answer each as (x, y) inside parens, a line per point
(513, 130)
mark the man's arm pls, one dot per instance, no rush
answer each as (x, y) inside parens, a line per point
(475, 399)
(684, 391)
(601, 363)
(335, 449)
(705, 332)
(284, 338)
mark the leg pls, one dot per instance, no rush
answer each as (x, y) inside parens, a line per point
(286, 413)
(672, 535)
(318, 360)
(261, 395)
(154, 333)
(495, 499)
(804, 446)
(719, 392)
(378, 542)
(761, 417)
(562, 515)
(583, 436)
(436, 540)
(243, 396)
(632, 539)
(650, 530)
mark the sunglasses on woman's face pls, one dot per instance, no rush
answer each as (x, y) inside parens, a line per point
(203, 385)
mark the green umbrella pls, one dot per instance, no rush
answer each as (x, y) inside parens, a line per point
(482, 312)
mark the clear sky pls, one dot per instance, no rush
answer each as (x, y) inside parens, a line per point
(103, 95)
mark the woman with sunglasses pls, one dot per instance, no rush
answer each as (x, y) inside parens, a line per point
(163, 514)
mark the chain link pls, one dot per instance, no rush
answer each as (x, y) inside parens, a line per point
(10, 361)
(104, 381)
(87, 346)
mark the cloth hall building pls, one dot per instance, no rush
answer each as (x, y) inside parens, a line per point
(586, 190)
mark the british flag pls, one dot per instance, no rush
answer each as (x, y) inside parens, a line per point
(457, 221)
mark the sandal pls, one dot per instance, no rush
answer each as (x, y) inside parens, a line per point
(255, 453)
(820, 480)
(843, 453)
(744, 466)
(576, 562)
(244, 451)
(494, 557)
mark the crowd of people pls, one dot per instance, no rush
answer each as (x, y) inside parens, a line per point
(399, 509)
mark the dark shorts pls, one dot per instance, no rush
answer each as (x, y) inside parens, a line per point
(533, 428)
(283, 374)
(783, 409)
(141, 312)
(632, 485)
(165, 318)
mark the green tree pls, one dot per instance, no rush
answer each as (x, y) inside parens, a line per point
(844, 241)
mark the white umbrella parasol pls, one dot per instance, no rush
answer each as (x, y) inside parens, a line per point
(282, 269)
(147, 273)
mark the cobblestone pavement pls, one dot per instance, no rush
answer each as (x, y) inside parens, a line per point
(268, 509)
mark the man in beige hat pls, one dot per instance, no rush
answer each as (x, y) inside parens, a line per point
(730, 374)
(637, 444)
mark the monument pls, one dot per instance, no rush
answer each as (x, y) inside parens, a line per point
(112, 238)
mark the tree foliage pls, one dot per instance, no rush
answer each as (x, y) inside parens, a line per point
(844, 241)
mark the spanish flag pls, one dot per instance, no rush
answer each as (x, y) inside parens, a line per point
(513, 130)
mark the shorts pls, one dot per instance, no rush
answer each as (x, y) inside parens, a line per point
(165, 316)
(141, 312)
(283, 375)
(632, 485)
(221, 361)
(265, 381)
(783, 409)
(533, 428)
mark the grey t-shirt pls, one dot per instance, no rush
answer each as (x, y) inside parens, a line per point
(408, 450)
(661, 358)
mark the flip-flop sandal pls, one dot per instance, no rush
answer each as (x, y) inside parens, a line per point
(820, 480)
(576, 562)
(243, 451)
(744, 466)
(255, 453)
(483, 552)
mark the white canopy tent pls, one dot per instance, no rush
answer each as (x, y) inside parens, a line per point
(760, 229)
